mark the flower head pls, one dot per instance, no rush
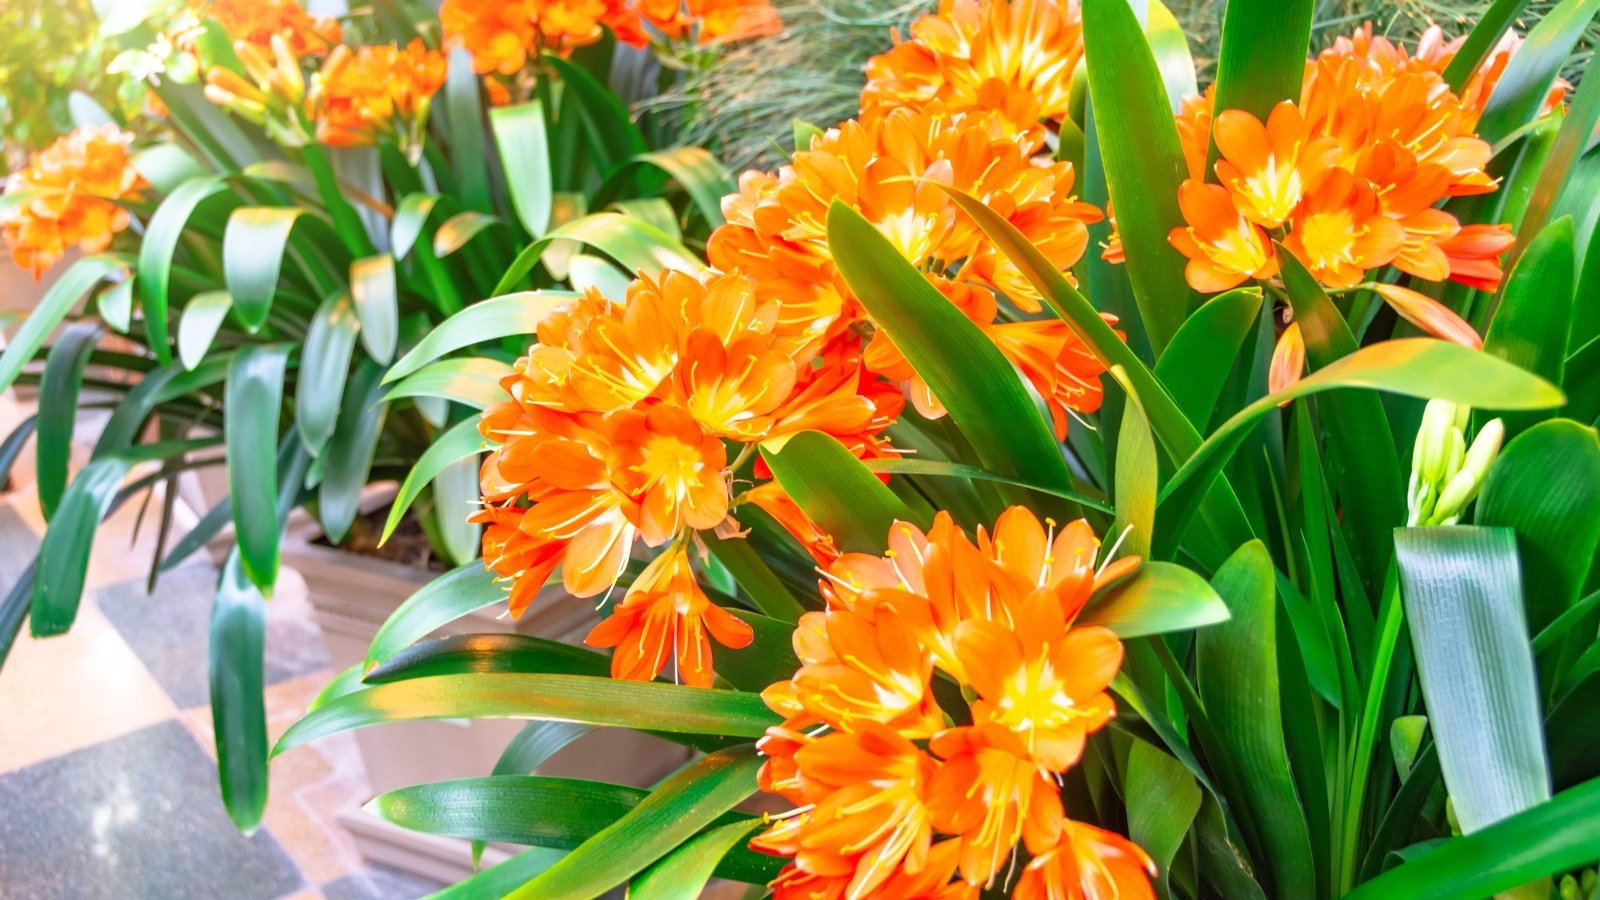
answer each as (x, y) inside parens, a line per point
(375, 91)
(71, 191)
(667, 619)
(1015, 58)
(256, 22)
(1088, 863)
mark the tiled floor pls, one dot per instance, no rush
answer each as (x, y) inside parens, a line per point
(107, 780)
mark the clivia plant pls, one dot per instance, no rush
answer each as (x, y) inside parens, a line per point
(1056, 481)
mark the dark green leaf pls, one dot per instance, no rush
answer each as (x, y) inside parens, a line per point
(567, 698)
(463, 122)
(460, 442)
(943, 469)
(324, 364)
(1143, 161)
(845, 499)
(1159, 598)
(513, 314)
(489, 653)
(51, 309)
(473, 381)
(64, 553)
(1196, 364)
(198, 326)
(252, 256)
(161, 237)
(1481, 41)
(1163, 799)
(238, 708)
(1526, 81)
(58, 410)
(440, 602)
(348, 461)
(254, 396)
(683, 873)
(372, 286)
(1533, 321)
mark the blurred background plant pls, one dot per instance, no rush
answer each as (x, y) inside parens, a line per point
(813, 71)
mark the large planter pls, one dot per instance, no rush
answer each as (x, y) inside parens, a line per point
(350, 597)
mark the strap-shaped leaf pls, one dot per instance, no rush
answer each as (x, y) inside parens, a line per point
(607, 126)
(197, 327)
(409, 219)
(1523, 86)
(1481, 40)
(700, 175)
(1532, 323)
(567, 698)
(1143, 161)
(966, 371)
(696, 796)
(1553, 837)
(1196, 364)
(1159, 598)
(456, 231)
(1163, 800)
(324, 364)
(238, 707)
(254, 399)
(1237, 668)
(1463, 600)
(845, 499)
(58, 409)
(348, 460)
(1262, 56)
(512, 314)
(252, 258)
(467, 654)
(682, 874)
(372, 287)
(519, 132)
(156, 252)
(460, 442)
(473, 381)
(463, 122)
(456, 495)
(51, 309)
(438, 603)
(64, 553)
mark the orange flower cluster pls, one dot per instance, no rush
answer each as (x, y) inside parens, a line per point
(1348, 177)
(501, 35)
(880, 816)
(892, 168)
(256, 21)
(70, 192)
(379, 90)
(1015, 58)
(616, 433)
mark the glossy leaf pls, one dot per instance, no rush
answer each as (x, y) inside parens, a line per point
(1163, 800)
(1522, 87)
(473, 381)
(1196, 364)
(845, 499)
(965, 370)
(324, 363)
(941, 469)
(1143, 161)
(1237, 669)
(156, 251)
(683, 873)
(567, 698)
(693, 798)
(519, 133)
(637, 245)
(1546, 486)
(1553, 837)
(348, 461)
(463, 124)
(50, 310)
(607, 125)
(372, 287)
(252, 257)
(238, 707)
(492, 654)
(456, 495)
(197, 328)
(697, 171)
(409, 219)
(461, 441)
(114, 303)
(438, 603)
(765, 589)
(507, 316)
(58, 410)
(254, 396)
(1532, 323)
(456, 231)
(1481, 41)
(64, 552)
(1136, 478)
(1171, 51)
(1159, 598)
(1463, 599)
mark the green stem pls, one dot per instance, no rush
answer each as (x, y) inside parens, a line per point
(349, 226)
(1391, 615)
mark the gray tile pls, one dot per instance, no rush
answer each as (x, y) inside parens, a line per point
(18, 545)
(170, 629)
(137, 817)
(380, 882)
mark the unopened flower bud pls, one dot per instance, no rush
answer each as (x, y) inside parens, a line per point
(1468, 479)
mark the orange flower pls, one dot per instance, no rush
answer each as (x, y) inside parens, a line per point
(995, 615)
(71, 189)
(377, 90)
(868, 818)
(1474, 254)
(1088, 863)
(1224, 248)
(773, 500)
(992, 793)
(256, 21)
(665, 611)
(1340, 231)
(1265, 167)
(710, 21)
(502, 35)
(672, 468)
(1012, 57)
(890, 167)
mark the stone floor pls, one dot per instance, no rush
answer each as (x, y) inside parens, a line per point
(107, 780)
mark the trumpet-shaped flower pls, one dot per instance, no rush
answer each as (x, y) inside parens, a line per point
(376, 91)
(666, 618)
(1088, 863)
(1223, 247)
(1340, 231)
(991, 792)
(257, 21)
